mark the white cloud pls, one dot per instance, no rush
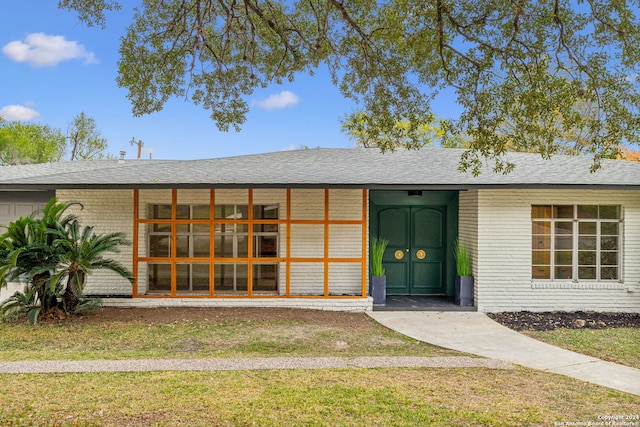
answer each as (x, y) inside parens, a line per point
(278, 101)
(43, 50)
(19, 113)
(289, 147)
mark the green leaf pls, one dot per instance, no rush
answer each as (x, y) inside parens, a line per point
(32, 315)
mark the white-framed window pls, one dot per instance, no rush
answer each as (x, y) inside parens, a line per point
(576, 242)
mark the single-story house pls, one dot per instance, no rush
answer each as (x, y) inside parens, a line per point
(292, 228)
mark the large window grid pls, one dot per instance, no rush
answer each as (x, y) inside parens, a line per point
(263, 270)
(576, 242)
(181, 239)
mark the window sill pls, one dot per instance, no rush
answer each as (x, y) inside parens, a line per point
(579, 285)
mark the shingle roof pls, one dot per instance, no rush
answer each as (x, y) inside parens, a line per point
(357, 167)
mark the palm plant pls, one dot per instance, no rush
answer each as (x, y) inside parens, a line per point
(25, 302)
(44, 252)
(27, 251)
(79, 252)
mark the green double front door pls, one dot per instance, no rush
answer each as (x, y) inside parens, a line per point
(415, 258)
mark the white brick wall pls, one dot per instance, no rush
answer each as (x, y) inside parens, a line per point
(307, 204)
(107, 211)
(307, 278)
(500, 240)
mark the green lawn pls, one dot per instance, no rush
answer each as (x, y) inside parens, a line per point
(359, 397)
(205, 339)
(619, 345)
(355, 397)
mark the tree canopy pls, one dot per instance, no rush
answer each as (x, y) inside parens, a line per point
(85, 139)
(531, 64)
(23, 143)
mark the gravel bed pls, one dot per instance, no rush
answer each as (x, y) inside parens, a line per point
(548, 321)
(62, 366)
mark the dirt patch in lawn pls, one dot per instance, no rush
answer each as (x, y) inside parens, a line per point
(214, 314)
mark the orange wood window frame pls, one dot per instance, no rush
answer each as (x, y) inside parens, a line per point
(287, 259)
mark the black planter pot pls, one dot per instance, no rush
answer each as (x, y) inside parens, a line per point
(379, 289)
(464, 290)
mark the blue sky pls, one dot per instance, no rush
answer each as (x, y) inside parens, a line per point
(53, 67)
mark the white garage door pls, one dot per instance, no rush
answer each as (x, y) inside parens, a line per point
(14, 204)
(12, 211)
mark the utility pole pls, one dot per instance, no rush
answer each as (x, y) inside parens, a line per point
(139, 143)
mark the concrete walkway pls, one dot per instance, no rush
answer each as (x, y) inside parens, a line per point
(475, 333)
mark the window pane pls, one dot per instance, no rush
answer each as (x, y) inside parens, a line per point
(200, 277)
(609, 258)
(587, 273)
(182, 278)
(230, 278)
(265, 228)
(541, 257)
(563, 211)
(609, 243)
(182, 228)
(242, 228)
(226, 228)
(159, 278)
(265, 212)
(609, 228)
(609, 273)
(243, 247)
(588, 211)
(224, 246)
(165, 228)
(563, 257)
(541, 242)
(242, 212)
(265, 277)
(200, 228)
(159, 246)
(182, 246)
(160, 211)
(242, 277)
(192, 278)
(587, 242)
(541, 227)
(587, 258)
(540, 272)
(564, 242)
(587, 227)
(564, 227)
(183, 211)
(201, 212)
(224, 277)
(610, 212)
(563, 273)
(224, 211)
(540, 211)
(200, 246)
(265, 246)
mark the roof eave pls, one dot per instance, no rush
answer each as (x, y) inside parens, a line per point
(369, 186)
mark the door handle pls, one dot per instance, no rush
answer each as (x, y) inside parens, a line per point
(421, 254)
